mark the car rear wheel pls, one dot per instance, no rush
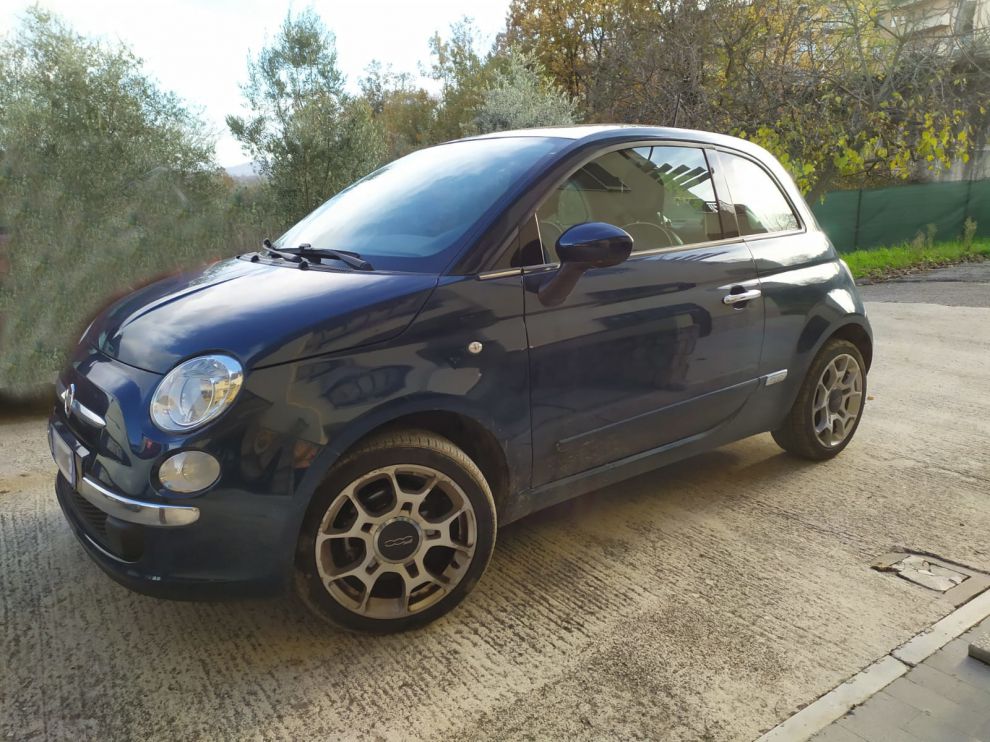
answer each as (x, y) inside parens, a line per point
(400, 532)
(829, 404)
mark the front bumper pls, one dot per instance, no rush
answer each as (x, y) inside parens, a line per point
(238, 538)
(135, 575)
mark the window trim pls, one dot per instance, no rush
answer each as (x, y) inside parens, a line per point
(802, 226)
(707, 148)
(499, 273)
(619, 148)
(631, 144)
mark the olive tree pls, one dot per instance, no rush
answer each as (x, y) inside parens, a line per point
(406, 112)
(308, 135)
(520, 96)
(105, 180)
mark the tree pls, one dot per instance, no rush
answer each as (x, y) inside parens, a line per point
(464, 74)
(406, 113)
(309, 137)
(569, 38)
(845, 93)
(104, 180)
(521, 96)
(854, 91)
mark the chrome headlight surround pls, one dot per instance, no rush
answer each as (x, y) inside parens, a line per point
(195, 392)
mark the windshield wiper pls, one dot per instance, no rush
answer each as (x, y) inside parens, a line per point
(308, 251)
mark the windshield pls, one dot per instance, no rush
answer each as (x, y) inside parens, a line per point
(411, 214)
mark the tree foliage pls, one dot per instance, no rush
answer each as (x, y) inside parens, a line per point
(570, 38)
(104, 180)
(107, 180)
(480, 91)
(854, 91)
(520, 96)
(405, 112)
(464, 74)
(309, 137)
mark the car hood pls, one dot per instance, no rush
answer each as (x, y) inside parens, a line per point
(261, 314)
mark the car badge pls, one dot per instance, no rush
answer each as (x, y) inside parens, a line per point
(68, 398)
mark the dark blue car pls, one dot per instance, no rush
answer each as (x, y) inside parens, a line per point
(471, 333)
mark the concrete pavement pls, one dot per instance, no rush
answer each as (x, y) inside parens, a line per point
(965, 285)
(708, 600)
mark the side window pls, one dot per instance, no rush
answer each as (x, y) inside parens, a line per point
(760, 206)
(662, 196)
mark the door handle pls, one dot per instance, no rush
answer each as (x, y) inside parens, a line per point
(742, 296)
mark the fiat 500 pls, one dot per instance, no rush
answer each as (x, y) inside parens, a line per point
(473, 332)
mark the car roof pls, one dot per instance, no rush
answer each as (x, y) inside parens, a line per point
(624, 132)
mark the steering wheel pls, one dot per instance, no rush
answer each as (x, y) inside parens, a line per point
(652, 234)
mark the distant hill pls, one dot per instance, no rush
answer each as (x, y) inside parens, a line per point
(246, 172)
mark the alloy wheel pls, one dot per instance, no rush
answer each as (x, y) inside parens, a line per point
(395, 541)
(838, 400)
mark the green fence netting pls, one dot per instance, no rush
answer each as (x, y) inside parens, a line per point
(856, 220)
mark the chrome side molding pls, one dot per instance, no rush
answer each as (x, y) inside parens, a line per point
(489, 275)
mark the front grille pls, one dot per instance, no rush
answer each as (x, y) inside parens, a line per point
(94, 519)
(93, 398)
(125, 541)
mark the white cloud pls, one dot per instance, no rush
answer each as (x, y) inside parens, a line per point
(199, 49)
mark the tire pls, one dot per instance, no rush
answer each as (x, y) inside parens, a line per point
(406, 527)
(829, 404)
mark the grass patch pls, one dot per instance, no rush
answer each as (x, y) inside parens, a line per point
(887, 262)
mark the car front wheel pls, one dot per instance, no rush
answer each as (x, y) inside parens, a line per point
(400, 532)
(829, 404)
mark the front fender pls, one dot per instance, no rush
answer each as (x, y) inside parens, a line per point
(382, 416)
(313, 410)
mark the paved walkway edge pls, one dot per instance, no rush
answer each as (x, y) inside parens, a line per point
(961, 620)
(856, 690)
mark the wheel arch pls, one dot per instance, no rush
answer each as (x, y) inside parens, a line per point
(819, 330)
(856, 334)
(469, 431)
(465, 432)
(852, 327)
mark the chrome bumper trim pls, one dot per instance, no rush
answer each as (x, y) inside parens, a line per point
(143, 513)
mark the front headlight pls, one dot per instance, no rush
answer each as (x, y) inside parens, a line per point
(195, 392)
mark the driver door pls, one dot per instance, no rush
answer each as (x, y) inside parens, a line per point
(645, 353)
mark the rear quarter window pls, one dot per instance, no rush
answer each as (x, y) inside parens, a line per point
(760, 205)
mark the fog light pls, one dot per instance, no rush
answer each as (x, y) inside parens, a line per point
(189, 471)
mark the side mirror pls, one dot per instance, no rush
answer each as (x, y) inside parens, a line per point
(584, 246)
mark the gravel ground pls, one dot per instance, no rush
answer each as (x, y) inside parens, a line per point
(708, 600)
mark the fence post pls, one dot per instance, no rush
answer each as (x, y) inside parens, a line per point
(969, 193)
(859, 206)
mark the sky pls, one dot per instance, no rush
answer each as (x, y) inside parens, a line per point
(199, 49)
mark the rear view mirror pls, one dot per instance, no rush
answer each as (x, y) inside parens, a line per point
(584, 246)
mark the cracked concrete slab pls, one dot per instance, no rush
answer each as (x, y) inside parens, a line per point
(708, 600)
(928, 573)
